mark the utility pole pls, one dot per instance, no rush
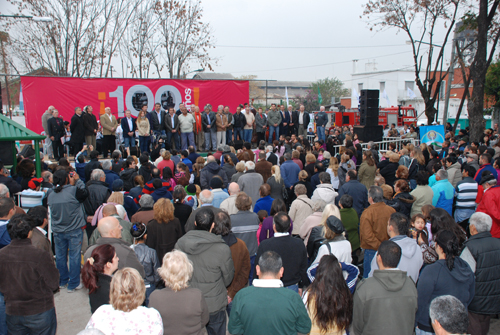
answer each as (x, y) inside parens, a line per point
(451, 73)
(4, 38)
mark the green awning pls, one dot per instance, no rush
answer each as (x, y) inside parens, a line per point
(13, 131)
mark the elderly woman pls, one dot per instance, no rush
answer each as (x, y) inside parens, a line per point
(301, 208)
(312, 220)
(240, 170)
(182, 308)
(166, 162)
(164, 230)
(145, 213)
(124, 314)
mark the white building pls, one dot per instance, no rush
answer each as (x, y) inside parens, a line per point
(396, 83)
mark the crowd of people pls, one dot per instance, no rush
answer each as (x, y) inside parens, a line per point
(285, 238)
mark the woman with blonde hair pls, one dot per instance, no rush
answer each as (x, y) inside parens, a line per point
(164, 230)
(124, 314)
(309, 167)
(276, 182)
(417, 164)
(183, 309)
(425, 153)
(317, 234)
(303, 175)
(144, 131)
(333, 171)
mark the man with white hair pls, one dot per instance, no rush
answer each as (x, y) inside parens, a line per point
(205, 200)
(489, 203)
(109, 124)
(444, 192)
(99, 193)
(221, 123)
(212, 169)
(270, 156)
(321, 120)
(485, 251)
(45, 117)
(250, 182)
(229, 205)
(448, 316)
(111, 175)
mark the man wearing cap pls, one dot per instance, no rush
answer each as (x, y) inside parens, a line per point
(411, 255)
(490, 203)
(472, 160)
(292, 252)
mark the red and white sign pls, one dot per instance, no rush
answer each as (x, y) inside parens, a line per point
(121, 94)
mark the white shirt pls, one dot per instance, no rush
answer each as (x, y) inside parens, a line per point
(129, 120)
(42, 230)
(267, 283)
(281, 234)
(301, 118)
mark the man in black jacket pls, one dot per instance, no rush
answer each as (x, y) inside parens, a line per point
(77, 131)
(172, 128)
(8, 181)
(56, 132)
(90, 125)
(156, 119)
(239, 123)
(292, 252)
(485, 250)
(93, 164)
(209, 128)
(99, 193)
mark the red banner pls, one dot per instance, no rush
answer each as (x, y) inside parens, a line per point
(121, 94)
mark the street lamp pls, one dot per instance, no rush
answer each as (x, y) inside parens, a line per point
(199, 70)
(29, 17)
(434, 45)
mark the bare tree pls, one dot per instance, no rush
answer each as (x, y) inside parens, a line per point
(419, 19)
(185, 36)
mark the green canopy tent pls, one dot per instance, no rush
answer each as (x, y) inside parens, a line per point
(11, 131)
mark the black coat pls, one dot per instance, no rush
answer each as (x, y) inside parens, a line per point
(77, 129)
(156, 124)
(388, 171)
(239, 120)
(204, 122)
(486, 251)
(56, 128)
(101, 295)
(11, 184)
(99, 193)
(273, 159)
(89, 123)
(128, 176)
(402, 203)
(91, 166)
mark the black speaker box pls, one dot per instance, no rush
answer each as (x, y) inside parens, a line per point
(369, 111)
(368, 103)
(6, 154)
(369, 133)
(371, 121)
(369, 94)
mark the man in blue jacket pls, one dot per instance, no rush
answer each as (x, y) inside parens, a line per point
(321, 121)
(444, 192)
(289, 171)
(129, 127)
(485, 161)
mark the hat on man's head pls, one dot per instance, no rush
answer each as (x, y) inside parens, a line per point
(335, 224)
(191, 189)
(473, 156)
(117, 185)
(327, 155)
(215, 183)
(486, 179)
(34, 183)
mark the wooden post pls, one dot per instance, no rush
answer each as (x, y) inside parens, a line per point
(38, 163)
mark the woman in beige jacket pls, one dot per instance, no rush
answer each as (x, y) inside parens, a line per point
(367, 169)
(144, 131)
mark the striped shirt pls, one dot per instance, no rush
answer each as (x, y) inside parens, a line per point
(466, 192)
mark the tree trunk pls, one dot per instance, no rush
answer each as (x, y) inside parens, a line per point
(430, 112)
(478, 73)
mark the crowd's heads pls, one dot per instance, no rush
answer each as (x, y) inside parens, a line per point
(127, 290)
(176, 270)
(334, 227)
(222, 223)
(243, 202)
(376, 194)
(399, 224)
(300, 189)
(103, 257)
(482, 222)
(20, 226)
(204, 219)
(389, 255)
(97, 175)
(117, 185)
(163, 210)
(216, 182)
(39, 214)
(138, 231)
(281, 222)
(270, 264)
(206, 197)
(109, 227)
(146, 201)
(449, 314)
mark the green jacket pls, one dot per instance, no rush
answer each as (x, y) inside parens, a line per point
(259, 310)
(350, 220)
(273, 117)
(213, 268)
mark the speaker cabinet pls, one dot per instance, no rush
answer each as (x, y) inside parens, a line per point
(369, 94)
(369, 133)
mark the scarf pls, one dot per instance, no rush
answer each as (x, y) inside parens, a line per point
(197, 117)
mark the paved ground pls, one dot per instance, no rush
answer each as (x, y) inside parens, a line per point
(73, 313)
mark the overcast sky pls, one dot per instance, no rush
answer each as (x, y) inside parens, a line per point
(302, 30)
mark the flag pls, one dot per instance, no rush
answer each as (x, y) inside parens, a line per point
(21, 101)
(410, 94)
(320, 99)
(355, 95)
(386, 97)
(286, 96)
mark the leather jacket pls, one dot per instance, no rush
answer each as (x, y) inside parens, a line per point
(149, 260)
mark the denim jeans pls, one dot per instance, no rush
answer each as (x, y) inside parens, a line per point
(321, 133)
(252, 267)
(3, 324)
(367, 262)
(210, 141)
(144, 143)
(422, 332)
(229, 136)
(217, 323)
(70, 241)
(228, 308)
(41, 324)
(238, 133)
(247, 135)
(177, 140)
(129, 142)
(463, 214)
(273, 129)
(149, 290)
(186, 140)
(294, 288)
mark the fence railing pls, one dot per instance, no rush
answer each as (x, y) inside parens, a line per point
(383, 145)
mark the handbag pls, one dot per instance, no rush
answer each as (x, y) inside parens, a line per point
(284, 193)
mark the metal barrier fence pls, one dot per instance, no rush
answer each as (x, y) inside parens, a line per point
(383, 145)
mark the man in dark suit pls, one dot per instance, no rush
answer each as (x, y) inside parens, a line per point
(303, 119)
(156, 119)
(128, 127)
(271, 157)
(294, 117)
(56, 132)
(209, 128)
(172, 128)
(77, 131)
(285, 121)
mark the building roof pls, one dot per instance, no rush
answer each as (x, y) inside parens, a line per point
(13, 131)
(212, 76)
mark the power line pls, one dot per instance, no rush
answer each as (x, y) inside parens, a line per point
(303, 47)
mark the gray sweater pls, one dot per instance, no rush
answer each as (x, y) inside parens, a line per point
(66, 207)
(273, 117)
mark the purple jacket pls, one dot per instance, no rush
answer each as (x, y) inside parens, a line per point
(267, 226)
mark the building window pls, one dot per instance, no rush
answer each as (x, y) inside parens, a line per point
(360, 87)
(409, 85)
(382, 86)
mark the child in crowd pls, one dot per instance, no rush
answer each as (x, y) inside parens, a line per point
(147, 257)
(426, 212)
(262, 215)
(418, 228)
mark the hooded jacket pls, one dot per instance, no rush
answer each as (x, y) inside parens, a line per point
(454, 173)
(402, 203)
(324, 192)
(162, 192)
(437, 280)
(66, 208)
(373, 296)
(213, 268)
(210, 170)
(411, 257)
(128, 176)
